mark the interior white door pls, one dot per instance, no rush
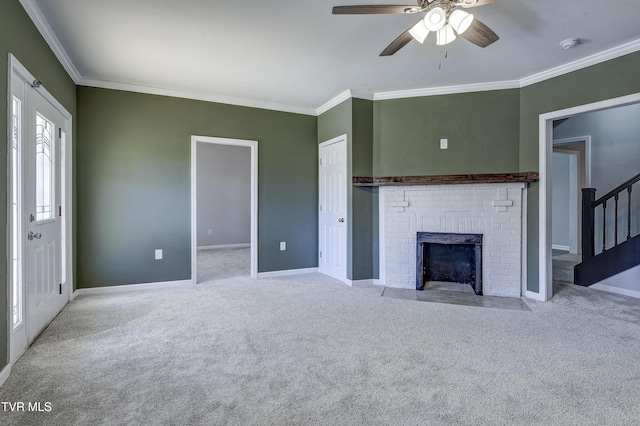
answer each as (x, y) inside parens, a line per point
(333, 208)
(41, 179)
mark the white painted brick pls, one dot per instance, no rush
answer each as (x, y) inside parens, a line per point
(456, 208)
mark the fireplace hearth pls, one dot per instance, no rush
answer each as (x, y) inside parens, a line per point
(449, 257)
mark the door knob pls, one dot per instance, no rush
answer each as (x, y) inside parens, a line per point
(31, 235)
(341, 220)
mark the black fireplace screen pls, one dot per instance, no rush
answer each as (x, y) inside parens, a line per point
(449, 257)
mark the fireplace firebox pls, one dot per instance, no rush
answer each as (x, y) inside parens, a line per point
(449, 257)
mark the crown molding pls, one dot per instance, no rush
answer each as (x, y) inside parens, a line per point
(447, 90)
(598, 58)
(35, 13)
(360, 94)
(333, 102)
(199, 96)
(347, 94)
(613, 53)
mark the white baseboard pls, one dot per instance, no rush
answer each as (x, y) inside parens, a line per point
(361, 283)
(223, 246)
(132, 287)
(617, 290)
(287, 272)
(534, 296)
(559, 247)
(4, 374)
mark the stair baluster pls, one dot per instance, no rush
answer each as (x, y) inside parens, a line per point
(621, 255)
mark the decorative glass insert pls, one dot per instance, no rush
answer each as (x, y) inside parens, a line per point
(16, 249)
(45, 134)
(63, 207)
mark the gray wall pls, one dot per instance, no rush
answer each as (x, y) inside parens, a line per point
(615, 143)
(560, 201)
(223, 194)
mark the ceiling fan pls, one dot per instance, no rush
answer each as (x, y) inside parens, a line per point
(444, 17)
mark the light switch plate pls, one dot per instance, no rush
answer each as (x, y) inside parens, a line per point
(444, 143)
(283, 245)
(158, 254)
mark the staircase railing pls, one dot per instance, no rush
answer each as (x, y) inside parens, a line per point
(589, 205)
(619, 253)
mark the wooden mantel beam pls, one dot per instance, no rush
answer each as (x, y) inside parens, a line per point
(524, 177)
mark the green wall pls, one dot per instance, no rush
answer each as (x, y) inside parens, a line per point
(19, 37)
(482, 129)
(133, 171)
(364, 252)
(611, 79)
(354, 117)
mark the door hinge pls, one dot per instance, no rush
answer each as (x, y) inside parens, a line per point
(320, 207)
(60, 211)
(60, 288)
(321, 161)
(59, 132)
(320, 255)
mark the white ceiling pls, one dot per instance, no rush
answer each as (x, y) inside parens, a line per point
(296, 55)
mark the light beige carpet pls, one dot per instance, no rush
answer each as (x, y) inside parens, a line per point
(307, 350)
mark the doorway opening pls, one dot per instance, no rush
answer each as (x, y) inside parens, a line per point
(224, 208)
(546, 146)
(571, 168)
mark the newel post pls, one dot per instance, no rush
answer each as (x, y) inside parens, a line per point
(588, 222)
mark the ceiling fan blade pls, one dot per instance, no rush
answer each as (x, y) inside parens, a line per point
(375, 9)
(398, 43)
(479, 34)
(471, 3)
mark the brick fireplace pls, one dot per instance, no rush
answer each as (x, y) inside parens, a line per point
(493, 210)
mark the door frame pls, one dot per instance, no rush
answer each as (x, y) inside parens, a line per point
(585, 163)
(253, 145)
(338, 139)
(574, 201)
(545, 149)
(16, 68)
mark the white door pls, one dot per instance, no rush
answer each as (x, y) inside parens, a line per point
(45, 298)
(38, 246)
(333, 208)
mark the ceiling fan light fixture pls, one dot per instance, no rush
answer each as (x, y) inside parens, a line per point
(413, 9)
(460, 20)
(435, 19)
(445, 35)
(419, 31)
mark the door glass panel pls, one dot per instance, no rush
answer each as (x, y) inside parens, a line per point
(45, 133)
(16, 250)
(63, 207)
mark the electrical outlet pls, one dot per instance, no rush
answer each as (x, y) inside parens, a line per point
(444, 143)
(209, 232)
(158, 254)
(283, 245)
